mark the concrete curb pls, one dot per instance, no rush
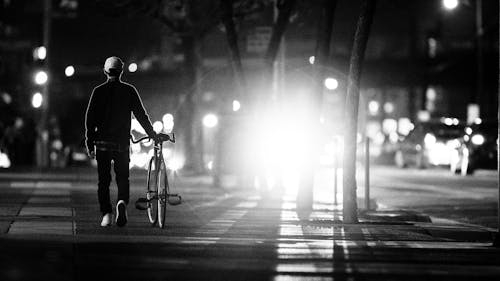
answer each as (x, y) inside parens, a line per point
(458, 232)
(395, 216)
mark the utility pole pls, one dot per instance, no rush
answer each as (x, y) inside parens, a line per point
(43, 134)
(481, 101)
(496, 242)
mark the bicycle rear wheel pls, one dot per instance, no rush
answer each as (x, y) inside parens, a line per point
(152, 193)
(162, 194)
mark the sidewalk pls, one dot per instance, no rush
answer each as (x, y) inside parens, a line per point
(57, 174)
(50, 232)
(436, 227)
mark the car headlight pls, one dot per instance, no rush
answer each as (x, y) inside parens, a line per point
(429, 139)
(477, 139)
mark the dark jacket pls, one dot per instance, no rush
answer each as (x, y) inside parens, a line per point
(108, 113)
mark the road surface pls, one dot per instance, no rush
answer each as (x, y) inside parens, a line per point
(437, 192)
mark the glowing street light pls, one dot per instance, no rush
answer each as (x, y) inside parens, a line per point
(373, 107)
(311, 59)
(236, 105)
(450, 4)
(69, 71)
(37, 100)
(331, 83)
(41, 77)
(132, 67)
(389, 107)
(210, 120)
(6, 98)
(158, 126)
(40, 53)
(168, 122)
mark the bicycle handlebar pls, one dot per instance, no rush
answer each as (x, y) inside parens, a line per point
(160, 138)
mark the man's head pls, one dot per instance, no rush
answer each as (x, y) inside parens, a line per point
(113, 67)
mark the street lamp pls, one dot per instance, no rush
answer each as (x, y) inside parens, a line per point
(236, 105)
(132, 67)
(41, 77)
(69, 71)
(37, 100)
(311, 59)
(331, 83)
(450, 4)
(40, 53)
(210, 120)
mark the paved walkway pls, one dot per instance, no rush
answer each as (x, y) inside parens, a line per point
(50, 231)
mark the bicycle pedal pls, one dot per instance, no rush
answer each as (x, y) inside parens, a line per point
(174, 199)
(141, 204)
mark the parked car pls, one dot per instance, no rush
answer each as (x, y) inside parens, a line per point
(478, 149)
(429, 144)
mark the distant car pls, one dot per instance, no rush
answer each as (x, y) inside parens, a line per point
(478, 148)
(76, 155)
(429, 144)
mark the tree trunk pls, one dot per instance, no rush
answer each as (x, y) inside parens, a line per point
(351, 115)
(271, 73)
(321, 63)
(285, 11)
(191, 125)
(232, 41)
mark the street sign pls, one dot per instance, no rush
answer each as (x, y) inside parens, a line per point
(472, 113)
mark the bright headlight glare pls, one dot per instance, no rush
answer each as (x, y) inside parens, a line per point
(429, 139)
(175, 164)
(210, 120)
(477, 139)
(453, 143)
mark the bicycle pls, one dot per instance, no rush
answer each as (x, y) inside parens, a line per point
(158, 191)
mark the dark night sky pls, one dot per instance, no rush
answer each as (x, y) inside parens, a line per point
(94, 35)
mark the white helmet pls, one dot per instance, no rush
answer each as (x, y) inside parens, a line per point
(113, 63)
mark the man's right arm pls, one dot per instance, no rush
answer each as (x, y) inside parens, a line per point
(141, 115)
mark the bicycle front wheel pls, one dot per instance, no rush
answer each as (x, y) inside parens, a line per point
(152, 193)
(162, 194)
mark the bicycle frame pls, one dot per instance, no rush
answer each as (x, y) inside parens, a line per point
(158, 161)
(159, 194)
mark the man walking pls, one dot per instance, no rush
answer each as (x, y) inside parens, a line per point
(107, 132)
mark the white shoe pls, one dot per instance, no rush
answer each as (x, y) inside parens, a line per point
(107, 219)
(121, 213)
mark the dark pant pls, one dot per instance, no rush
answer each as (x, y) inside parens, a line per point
(121, 166)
